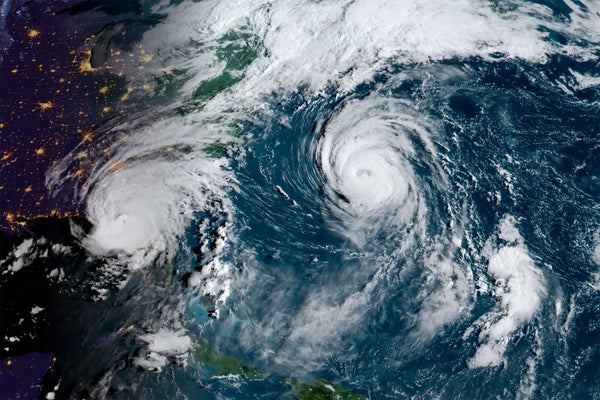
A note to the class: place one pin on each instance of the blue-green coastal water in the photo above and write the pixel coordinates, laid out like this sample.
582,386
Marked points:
340,199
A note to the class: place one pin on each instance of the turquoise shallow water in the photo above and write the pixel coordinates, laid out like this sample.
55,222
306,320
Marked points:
320,204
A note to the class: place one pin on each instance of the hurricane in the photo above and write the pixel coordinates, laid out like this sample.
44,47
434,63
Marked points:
318,200
366,164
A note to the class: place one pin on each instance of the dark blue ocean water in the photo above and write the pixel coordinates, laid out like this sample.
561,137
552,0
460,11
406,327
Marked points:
507,115
431,232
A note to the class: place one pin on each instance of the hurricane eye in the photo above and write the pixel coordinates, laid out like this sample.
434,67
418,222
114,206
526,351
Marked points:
363,172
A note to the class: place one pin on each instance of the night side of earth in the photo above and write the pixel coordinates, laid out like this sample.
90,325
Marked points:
299,199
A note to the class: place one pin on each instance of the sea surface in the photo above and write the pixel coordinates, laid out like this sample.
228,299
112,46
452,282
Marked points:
335,199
